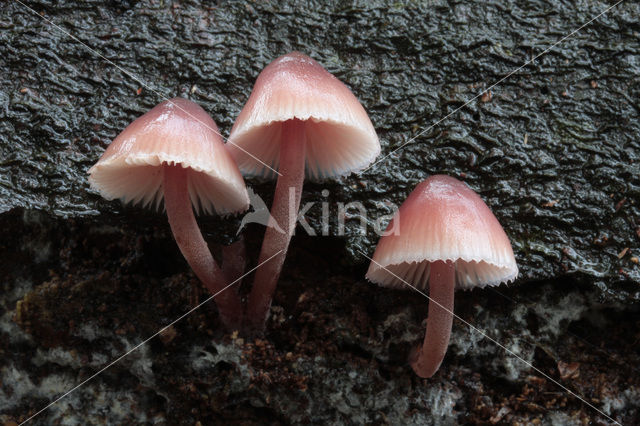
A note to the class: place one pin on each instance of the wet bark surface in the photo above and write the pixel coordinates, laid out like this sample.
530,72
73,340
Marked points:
554,150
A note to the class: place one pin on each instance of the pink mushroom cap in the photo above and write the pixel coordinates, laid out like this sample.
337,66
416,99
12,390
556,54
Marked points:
175,132
443,220
339,135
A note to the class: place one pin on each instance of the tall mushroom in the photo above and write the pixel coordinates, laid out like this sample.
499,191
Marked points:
301,120
174,152
445,237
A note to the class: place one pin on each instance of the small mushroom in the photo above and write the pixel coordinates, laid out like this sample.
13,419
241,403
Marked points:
174,152
301,120
444,238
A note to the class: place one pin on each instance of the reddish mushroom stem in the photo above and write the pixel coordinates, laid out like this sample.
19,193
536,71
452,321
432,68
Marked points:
233,262
193,246
286,202
426,360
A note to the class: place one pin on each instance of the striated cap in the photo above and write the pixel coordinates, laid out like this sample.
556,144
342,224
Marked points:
443,219
175,132
339,134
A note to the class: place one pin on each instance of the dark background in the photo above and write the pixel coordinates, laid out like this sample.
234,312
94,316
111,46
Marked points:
554,150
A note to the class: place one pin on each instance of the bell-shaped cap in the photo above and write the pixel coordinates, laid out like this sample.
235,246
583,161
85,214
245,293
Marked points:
443,219
339,135
175,132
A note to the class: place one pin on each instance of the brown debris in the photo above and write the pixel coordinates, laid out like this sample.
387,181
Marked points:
499,415
601,241
168,334
550,203
623,252
537,381
272,368
569,370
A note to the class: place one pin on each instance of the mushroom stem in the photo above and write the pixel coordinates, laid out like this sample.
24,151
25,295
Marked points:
193,246
284,211
233,261
426,360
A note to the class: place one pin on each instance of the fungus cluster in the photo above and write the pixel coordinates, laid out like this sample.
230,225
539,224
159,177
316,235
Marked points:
301,121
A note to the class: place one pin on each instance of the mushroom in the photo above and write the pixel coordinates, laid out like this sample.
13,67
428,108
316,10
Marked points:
175,152
445,238
301,120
